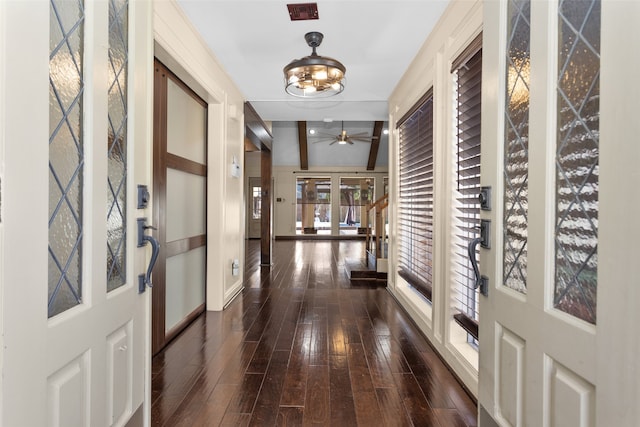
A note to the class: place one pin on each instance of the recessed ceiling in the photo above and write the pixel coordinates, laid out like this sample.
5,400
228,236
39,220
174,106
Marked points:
375,40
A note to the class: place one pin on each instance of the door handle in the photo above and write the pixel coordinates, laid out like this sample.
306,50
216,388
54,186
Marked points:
481,281
144,280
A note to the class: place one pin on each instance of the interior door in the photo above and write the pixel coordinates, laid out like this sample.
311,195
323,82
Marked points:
254,207
75,327
557,137
180,185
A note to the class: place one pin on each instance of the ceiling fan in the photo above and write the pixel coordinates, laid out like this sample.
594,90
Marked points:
344,138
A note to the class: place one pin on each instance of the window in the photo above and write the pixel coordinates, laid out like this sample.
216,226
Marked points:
467,75
415,202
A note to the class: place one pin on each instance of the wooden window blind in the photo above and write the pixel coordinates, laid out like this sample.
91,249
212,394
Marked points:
415,205
468,78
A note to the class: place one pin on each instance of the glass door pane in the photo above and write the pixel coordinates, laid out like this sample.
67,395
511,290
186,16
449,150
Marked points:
313,207
355,195
66,155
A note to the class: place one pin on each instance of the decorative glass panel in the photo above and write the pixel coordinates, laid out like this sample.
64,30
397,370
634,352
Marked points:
516,146
117,140
66,155
578,115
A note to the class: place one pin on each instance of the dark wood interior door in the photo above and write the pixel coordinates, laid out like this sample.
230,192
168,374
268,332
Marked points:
179,185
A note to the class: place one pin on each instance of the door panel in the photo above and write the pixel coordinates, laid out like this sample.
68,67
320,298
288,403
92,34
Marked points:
75,329
184,129
119,365
187,209
570,399
185,291
64,387
510,376
540,362
180,185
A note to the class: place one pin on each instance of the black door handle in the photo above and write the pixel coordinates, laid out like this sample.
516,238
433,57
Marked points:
481,281
144,280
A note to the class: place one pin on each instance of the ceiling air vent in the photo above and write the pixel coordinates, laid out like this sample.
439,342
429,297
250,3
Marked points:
303,11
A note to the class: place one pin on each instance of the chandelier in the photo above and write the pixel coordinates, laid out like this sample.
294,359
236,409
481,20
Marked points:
314,76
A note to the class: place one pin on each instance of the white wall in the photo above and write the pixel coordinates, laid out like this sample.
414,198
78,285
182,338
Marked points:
181,49
459,25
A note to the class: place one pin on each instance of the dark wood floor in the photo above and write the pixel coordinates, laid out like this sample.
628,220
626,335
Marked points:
301,346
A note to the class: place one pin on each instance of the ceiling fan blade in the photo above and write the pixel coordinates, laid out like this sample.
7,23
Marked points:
322,140
349,141
333,142
333,135
358,134
360,139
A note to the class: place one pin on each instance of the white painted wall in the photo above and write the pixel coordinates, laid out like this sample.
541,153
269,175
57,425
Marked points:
182,50
459,25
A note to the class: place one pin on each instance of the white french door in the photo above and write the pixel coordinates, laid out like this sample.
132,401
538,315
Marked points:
76,133
560,151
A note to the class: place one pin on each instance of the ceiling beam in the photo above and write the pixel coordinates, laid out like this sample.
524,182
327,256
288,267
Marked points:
302,142
255,129
375,143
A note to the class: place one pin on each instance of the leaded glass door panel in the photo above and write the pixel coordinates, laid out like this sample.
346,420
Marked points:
553,154
75,328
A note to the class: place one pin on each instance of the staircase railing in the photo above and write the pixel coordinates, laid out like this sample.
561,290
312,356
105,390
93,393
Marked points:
377,236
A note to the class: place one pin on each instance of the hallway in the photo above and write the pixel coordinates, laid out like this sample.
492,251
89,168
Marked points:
300,346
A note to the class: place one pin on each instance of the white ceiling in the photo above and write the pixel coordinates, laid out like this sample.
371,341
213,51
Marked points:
375,39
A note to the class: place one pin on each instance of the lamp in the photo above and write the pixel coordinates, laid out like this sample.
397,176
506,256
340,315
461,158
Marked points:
314,76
